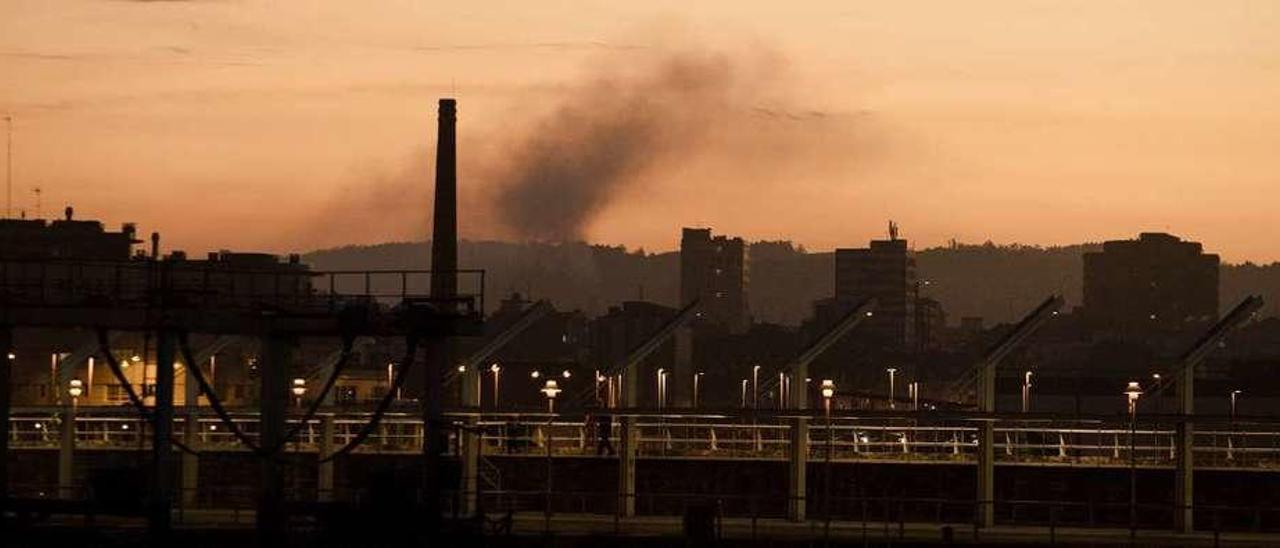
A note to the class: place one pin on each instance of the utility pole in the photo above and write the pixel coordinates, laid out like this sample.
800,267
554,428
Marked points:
8,188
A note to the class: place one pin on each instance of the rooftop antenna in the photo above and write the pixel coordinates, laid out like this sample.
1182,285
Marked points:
893,231
8,203
39,210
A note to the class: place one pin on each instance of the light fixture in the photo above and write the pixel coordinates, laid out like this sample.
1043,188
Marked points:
828,388
535,374
299,387
75,388
566,374
462,369
495,368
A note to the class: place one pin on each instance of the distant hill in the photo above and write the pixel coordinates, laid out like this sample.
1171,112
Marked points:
998,283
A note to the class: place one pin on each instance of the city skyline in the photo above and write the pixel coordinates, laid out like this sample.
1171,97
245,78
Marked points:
1037,123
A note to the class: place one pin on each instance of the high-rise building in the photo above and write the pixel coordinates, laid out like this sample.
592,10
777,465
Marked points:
1155,282
714,270
886,272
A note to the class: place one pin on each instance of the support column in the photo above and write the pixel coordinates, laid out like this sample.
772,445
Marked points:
799,462
986,495
628,439
272,405
797,487
434,437
1184,475
162,467
67,451
6,376
324,470
470,446
190,437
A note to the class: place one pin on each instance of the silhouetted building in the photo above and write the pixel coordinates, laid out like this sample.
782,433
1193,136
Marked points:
623,329
714,269
1156,282
886,272
37,240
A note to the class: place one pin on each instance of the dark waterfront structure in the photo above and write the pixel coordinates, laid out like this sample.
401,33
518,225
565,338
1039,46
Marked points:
1155,283
713,270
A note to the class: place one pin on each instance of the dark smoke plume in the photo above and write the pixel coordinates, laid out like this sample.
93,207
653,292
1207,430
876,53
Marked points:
607,134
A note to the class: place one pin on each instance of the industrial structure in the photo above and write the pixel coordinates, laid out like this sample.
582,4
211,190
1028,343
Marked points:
313,382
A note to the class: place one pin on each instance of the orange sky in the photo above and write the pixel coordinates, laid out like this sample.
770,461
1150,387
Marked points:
285,126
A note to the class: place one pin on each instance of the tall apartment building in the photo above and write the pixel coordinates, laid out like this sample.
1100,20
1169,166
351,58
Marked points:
714,270
886,272
1155,282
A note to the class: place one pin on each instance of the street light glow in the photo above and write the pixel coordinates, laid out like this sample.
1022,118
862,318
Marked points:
828,388
76,388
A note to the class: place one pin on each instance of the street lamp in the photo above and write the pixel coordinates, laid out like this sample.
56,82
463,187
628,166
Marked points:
657,376
75,388
744,393
1133,391
828,388
915,395
1026,391
551,389
535,374
299,388
496,370
755,387
566,374
782,390
892,371
1234,394
697,378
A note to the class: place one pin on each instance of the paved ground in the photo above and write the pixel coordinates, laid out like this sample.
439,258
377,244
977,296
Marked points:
234,528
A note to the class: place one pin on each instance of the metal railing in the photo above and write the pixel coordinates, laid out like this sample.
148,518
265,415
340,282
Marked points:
1238,445
145,283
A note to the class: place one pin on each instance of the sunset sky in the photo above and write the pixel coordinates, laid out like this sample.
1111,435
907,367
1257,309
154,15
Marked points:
286,126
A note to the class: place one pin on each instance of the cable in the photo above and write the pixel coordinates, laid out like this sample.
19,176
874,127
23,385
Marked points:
114,365
347,343
411,350
214,402
104,346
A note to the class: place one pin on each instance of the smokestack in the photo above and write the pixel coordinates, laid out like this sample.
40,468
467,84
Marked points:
444,236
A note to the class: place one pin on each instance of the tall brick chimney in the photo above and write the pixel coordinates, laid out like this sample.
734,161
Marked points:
444,236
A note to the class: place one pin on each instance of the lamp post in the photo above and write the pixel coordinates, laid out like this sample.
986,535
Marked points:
1026,391
657,382
1132,392
744,393
828,388
75,388
1234,395
892,371
755,387
550,389
497,371
299,389
697,378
